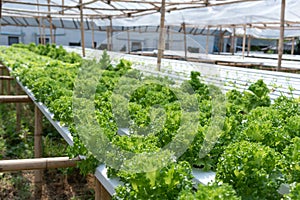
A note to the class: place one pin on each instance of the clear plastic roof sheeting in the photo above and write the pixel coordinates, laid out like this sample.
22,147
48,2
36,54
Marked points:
262,17
253,12
267,33
101,8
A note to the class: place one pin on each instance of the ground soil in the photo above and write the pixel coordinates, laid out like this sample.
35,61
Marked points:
57,185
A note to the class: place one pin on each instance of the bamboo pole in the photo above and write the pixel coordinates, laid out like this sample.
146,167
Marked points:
39,19
54,36
207,40
82,29
244,41
14,99
128,41
249,45
1,9
1,81
161,43
293,46
6,77
44,32
93,35
171,39
184,39
8,86
38,174
50,21
110,34
62,7
37,164
232,46
222,42
18,113
281,39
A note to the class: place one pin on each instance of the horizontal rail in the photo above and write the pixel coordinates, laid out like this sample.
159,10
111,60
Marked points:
37,163
6,78
14,99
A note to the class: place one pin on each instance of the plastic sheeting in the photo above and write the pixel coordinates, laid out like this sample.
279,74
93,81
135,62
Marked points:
267,33
102,9
264,11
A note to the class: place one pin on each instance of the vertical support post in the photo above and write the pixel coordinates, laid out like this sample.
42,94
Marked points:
44,32
18,112
38,120
39,19
219,45
50,21
281,39
207,39
1,81
1,9
82,29
93,35
170,39
293,46
107,38
232,41
244,41
63,7
249,45
184,39
97,189
161,43
54,36
110,34
128,41
8,87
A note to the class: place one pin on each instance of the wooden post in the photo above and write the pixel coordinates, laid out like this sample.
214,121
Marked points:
18,112
171,40
207,40
50,21
93,35
54,35
244,41
184,39
62,8
1,81
293,46
128,41
1,9
44,31
8,87
37,163
40,25
97,189
220,42
82,29
281,39
249,45
110,34
100,191
232,46
161,42
14,99
38,174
